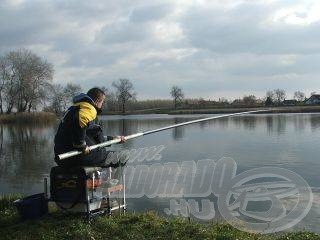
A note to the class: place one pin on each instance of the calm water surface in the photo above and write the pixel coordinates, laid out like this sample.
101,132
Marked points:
290,141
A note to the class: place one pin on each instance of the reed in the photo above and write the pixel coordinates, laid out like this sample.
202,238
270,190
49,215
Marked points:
28,118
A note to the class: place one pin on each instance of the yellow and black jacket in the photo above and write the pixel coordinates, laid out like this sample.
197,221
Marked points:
75,125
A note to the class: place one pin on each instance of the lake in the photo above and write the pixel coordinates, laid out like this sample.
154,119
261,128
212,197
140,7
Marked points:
287,141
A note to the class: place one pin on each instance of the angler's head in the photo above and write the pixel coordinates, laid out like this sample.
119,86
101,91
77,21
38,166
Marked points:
98,96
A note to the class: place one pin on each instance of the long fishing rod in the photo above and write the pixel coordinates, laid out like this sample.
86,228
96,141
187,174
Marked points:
108,143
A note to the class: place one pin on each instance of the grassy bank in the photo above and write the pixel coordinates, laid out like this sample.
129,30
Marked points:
28,118
130,226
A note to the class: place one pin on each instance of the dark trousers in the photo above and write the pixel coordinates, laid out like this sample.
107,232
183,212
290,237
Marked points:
95,158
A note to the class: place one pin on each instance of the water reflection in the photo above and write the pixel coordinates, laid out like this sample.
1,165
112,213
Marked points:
281,124
26,151
249,122
269,123
222,122
300,122
130,126
26,155
286,140
1,141
315,121
178,133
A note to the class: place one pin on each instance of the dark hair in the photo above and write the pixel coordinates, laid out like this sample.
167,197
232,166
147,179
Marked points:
95,93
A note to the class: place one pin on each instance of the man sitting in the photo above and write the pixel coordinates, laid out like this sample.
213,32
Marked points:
78,131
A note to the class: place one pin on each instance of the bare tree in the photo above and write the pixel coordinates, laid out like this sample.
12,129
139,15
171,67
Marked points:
299,96
58,103
177,95
271,95
41,74
61,97
280,95
8,82
249,100
71,90
111,101
269,101
3,79
26,78
34,76
223,101
124,92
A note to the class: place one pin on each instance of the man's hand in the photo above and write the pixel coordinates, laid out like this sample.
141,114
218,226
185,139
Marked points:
86,150
122,138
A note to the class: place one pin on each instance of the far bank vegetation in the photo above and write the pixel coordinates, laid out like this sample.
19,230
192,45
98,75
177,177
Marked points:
26,85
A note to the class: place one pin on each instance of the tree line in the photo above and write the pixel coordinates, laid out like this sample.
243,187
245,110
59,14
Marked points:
26,84
117,99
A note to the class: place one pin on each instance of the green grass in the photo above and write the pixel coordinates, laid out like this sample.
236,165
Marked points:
28,118
8,213
149,225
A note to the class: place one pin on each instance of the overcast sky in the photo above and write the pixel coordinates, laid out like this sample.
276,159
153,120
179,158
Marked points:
210,48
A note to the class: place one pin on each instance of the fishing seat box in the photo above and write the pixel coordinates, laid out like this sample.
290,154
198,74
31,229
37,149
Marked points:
77,189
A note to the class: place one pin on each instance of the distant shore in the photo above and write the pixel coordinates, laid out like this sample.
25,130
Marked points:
223,110
40,118
43,118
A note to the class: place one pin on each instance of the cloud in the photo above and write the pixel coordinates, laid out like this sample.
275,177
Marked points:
248,28
209,48
124,31
150,12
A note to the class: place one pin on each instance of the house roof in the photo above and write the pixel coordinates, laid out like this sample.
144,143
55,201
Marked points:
317,96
